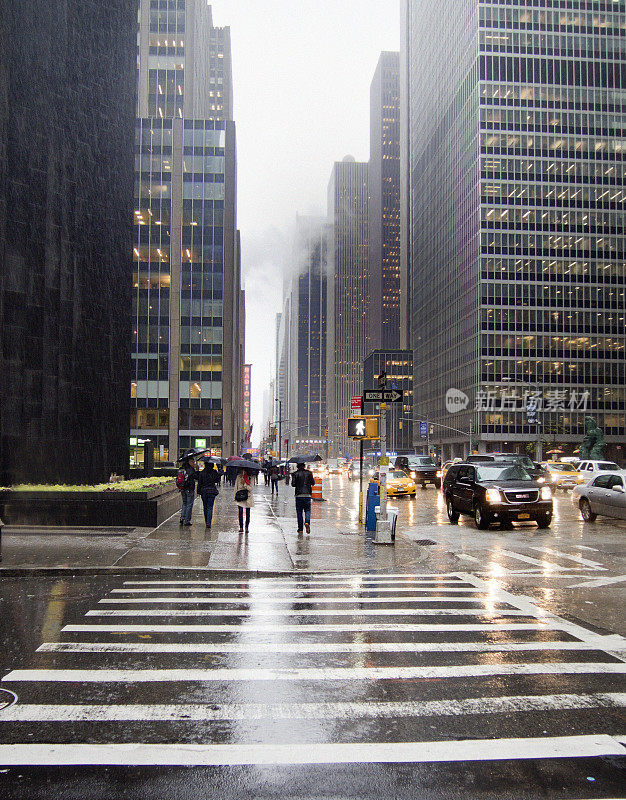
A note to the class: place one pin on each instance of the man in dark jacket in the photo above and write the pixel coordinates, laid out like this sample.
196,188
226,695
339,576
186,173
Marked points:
303,481
188,490
208,481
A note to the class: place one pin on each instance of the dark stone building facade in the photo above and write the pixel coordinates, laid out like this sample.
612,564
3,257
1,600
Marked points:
67,109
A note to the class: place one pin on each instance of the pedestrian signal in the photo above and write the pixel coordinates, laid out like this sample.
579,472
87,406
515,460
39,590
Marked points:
362,428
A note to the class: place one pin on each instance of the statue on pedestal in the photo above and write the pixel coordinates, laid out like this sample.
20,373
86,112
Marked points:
593,444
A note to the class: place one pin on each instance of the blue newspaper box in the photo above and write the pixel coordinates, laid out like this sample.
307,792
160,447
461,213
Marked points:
373,500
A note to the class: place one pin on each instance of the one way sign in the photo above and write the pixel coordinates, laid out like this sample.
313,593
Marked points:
384,396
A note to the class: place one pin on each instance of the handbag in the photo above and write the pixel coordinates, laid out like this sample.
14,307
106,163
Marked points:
241,495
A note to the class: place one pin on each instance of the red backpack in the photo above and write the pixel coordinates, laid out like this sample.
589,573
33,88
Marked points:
181,479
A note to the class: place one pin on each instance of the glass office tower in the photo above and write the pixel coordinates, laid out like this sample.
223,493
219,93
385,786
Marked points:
515,162
188,310
347,289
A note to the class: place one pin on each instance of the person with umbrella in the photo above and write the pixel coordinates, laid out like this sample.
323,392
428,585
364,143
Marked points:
244,497
186,484
303,481
208,481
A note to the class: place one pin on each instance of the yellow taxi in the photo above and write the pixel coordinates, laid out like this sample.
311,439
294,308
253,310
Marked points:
564,476
399,484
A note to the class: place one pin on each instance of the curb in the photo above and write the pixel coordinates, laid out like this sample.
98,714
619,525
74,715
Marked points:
9,572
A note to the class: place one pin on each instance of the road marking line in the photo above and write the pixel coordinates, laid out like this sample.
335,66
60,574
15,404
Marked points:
597,582
584,561
612,643
528,560
324,612
137,754
309,673
262,583
308,647
364,627
308,601
340,710
291,592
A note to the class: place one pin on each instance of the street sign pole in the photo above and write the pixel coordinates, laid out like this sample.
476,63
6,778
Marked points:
383,461
361,474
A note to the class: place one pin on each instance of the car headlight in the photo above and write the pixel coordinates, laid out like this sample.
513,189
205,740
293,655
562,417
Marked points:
439,473
493,496
541,480
414,474
546,493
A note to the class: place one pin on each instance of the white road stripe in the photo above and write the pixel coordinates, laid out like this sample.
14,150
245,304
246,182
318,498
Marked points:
309,673
323,612
262,583
579,559
364,627
293,593
519,557
308,647
246,601
202,712
612,643
598,582
138,754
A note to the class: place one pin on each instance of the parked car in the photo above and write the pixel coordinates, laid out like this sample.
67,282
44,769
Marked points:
605,494
496,492
421,468
399,484
591,468
563,476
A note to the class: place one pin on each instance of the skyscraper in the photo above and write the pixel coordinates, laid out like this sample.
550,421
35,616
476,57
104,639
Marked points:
516,152
347,290
67,105
307,334
187,339
384,312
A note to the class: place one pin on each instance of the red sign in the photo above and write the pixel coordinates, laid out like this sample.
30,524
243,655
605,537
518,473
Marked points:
355,406
247,386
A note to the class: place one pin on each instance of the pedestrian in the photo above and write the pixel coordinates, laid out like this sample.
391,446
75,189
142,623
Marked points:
244,498
266,471
303,481
186,483
208,481
274,479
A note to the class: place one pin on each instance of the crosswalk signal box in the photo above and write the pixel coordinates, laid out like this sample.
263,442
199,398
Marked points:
362,428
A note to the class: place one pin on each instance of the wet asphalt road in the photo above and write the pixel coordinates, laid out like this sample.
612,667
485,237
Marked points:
487,664
408,686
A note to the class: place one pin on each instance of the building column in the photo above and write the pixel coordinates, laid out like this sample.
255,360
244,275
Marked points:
175,286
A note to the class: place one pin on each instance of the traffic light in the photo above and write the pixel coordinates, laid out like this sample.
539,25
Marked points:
362,428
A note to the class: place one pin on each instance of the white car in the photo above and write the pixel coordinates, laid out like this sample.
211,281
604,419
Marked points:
591,468
605,494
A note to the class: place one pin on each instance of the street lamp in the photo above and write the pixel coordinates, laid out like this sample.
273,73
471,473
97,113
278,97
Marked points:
280,427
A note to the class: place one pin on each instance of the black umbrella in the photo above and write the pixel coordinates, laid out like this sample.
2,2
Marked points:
305,458
191,454
242,463
214,460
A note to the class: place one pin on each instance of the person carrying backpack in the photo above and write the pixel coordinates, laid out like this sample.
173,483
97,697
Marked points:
303,481
186,483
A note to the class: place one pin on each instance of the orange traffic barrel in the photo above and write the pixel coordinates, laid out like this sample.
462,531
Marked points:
317,489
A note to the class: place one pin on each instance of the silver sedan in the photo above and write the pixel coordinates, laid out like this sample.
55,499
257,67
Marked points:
605,494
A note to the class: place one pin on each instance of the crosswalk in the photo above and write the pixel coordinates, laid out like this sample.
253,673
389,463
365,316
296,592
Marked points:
330,669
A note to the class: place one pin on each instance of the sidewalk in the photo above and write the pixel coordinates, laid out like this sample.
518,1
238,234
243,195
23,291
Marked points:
336,542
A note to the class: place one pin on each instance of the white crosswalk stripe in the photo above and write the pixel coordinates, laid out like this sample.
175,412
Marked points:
348,664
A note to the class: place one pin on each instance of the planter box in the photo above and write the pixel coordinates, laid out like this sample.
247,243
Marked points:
90,509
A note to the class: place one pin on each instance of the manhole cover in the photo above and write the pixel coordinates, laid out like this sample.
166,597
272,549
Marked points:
424,541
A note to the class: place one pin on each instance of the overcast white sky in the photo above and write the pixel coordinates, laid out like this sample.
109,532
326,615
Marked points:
302,72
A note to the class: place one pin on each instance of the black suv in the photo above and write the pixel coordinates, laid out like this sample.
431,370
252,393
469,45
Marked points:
421,468
496,492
